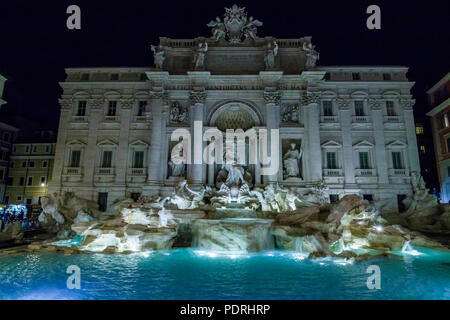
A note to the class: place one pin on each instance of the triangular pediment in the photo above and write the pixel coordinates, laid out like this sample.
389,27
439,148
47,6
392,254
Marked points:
75,142
396,144
331,144
139,143
363,144
106,142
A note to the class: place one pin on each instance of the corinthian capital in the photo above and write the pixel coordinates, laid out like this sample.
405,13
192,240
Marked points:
162,95
272,97
374,104
65,103
96,103
197,96
126,103
311,97
343,104
407,104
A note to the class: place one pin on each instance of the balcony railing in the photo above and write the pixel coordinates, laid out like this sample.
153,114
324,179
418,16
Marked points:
397,172
137,171
366,172
79,118
328,119
104,171
111,118
361,119
72,171
140,118
333,172
391,119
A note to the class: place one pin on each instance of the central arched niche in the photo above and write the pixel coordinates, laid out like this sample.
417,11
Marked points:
234,115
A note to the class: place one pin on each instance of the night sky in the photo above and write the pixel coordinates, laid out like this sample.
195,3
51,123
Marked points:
36,46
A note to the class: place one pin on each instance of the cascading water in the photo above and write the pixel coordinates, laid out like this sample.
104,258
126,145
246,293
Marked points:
408,249
299,244
233,235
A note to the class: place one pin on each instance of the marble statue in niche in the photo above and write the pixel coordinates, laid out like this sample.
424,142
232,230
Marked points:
290,113
178,113
292,162
176,169
159,55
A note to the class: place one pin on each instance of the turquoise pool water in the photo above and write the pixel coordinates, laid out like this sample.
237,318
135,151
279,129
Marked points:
192,274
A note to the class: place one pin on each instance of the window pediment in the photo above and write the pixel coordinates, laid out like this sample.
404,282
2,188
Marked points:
363,144
106,143
139,143
76,142
396,144
331,144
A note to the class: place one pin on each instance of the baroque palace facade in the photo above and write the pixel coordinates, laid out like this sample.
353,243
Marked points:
350,127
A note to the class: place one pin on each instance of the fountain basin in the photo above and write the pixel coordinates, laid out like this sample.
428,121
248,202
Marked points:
233,234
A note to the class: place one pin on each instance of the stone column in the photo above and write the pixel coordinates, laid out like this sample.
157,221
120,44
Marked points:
381,156
345,118
121,157
95,114
197,99
60,149
154,157
272,99
413,153
312,137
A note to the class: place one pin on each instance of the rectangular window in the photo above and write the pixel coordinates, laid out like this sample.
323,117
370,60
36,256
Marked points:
11,165
364,160
21,181
31,164
397,161
331,160
27,149
19,198
44,164
114,76
112,107
107,159
390,109
42,181
368,197
29,201
142,107
422,148
138,161
1,174
6,137
34,148
24,164
419,129
448,171
359,108
327,108
75,159
356,76
6,199
448,144
47,148
386,76
30,181
81,112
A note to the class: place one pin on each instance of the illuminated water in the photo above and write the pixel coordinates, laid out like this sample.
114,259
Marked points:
191,274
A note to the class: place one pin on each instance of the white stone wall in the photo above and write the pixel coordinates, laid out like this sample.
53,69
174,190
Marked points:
263,96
